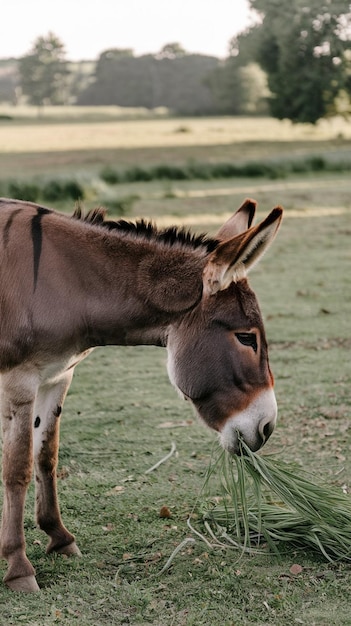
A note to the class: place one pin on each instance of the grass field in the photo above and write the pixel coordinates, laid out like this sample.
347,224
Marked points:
122,415
42,146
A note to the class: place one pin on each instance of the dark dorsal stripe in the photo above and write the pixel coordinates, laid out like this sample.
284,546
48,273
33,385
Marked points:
37,239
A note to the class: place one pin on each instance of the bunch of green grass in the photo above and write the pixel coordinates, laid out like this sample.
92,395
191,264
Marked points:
267,501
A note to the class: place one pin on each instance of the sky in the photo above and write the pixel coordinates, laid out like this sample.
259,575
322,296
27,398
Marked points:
88,27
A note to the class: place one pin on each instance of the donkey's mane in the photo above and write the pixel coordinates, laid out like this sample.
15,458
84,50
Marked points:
141,228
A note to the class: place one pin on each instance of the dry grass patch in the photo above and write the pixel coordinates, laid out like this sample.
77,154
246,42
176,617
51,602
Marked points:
46,136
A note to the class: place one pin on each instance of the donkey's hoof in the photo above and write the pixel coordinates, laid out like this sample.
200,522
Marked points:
70,550
26,584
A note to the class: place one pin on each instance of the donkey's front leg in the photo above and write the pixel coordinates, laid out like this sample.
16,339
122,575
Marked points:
17,401
48,408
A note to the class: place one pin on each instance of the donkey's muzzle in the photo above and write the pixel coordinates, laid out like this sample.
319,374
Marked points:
254,425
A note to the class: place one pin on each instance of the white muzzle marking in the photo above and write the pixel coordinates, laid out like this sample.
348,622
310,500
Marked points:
255,424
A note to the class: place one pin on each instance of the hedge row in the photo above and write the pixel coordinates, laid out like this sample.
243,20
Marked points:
51,191
209,171
70,189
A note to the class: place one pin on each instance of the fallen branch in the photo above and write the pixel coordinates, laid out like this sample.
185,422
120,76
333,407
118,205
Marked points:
174,553
168,456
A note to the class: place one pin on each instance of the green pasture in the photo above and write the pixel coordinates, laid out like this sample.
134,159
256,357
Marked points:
122,415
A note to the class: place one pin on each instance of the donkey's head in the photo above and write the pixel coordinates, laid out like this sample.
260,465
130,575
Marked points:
217,353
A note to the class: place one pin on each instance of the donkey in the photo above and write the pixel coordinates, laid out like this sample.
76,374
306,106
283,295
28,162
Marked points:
69,284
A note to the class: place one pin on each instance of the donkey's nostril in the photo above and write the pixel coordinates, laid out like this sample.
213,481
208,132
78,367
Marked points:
265,428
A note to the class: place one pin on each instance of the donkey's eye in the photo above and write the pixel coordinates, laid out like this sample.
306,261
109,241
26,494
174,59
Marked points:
247,339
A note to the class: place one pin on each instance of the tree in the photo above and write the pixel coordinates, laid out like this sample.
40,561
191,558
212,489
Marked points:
8,80
175,81
171,51
239,89
43,72
304,46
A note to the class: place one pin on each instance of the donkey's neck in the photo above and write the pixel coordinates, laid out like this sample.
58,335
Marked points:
69,285
135,288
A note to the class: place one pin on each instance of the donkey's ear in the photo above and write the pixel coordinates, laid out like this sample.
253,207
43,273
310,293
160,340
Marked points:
239,222
170,282
233,258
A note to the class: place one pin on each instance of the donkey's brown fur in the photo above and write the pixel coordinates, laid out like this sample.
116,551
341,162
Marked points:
68,285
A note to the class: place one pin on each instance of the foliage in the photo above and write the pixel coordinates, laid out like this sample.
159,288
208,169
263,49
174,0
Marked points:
171,51
171,79
50,191
296,62
43,72
239,89
209,171
8,81
62,189
55,190
110,175
185,83
254,90
305,50
22,190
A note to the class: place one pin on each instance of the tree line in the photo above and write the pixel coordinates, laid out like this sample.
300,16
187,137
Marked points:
184,83
295,63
